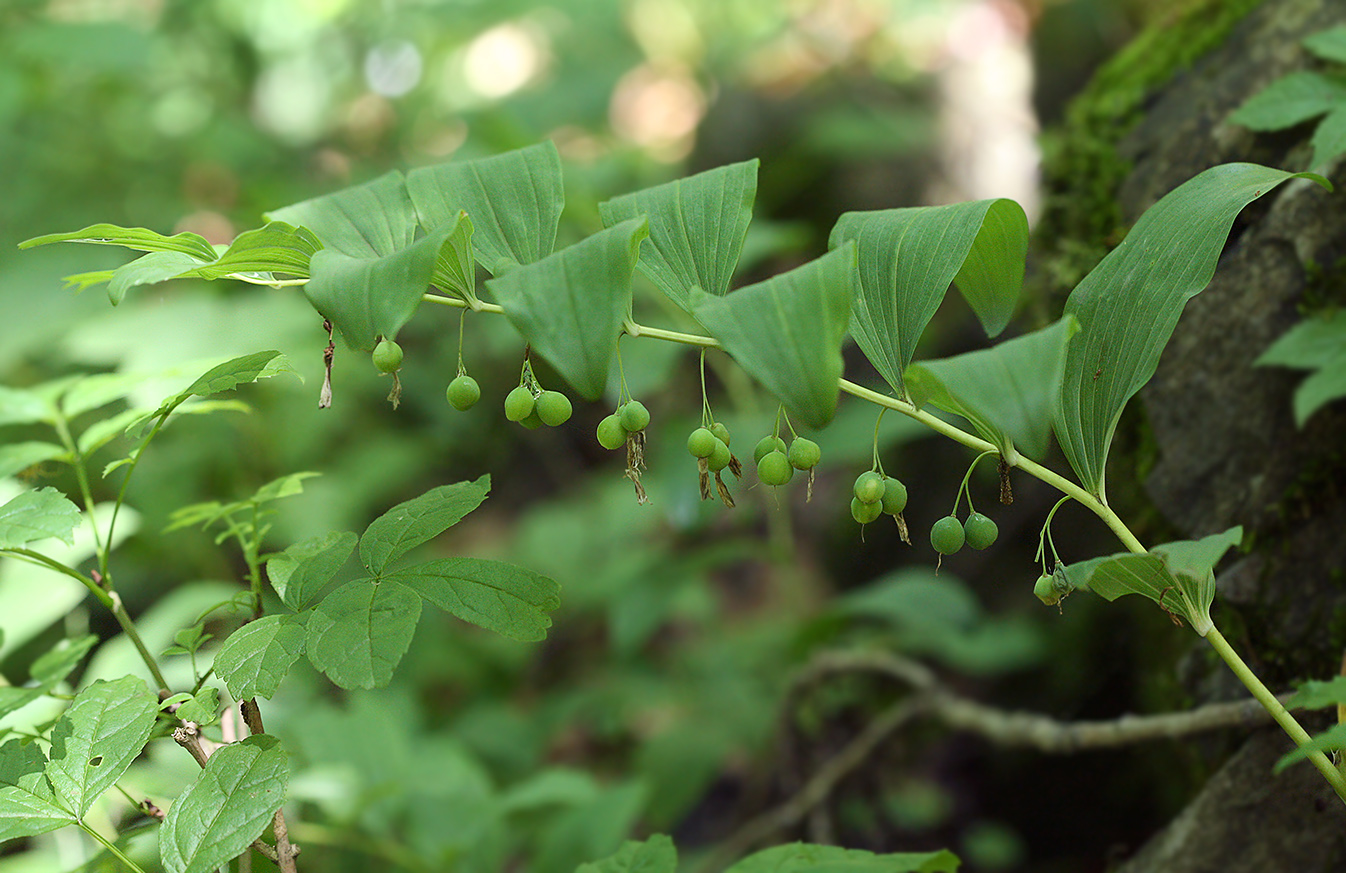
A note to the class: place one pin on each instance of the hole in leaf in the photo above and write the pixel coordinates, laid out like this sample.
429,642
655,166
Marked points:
95,760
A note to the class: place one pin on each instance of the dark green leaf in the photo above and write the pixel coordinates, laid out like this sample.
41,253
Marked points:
97,739
304,569
359,632
28,806
807,858
570,305
147,270
276,248
137,238
1318,695
58,663
15,457
1331,740
226,807
203,707
418,520
256,657
655,855
35,515
786,332
372,220
1330,44
1317,343
1290,100
509,600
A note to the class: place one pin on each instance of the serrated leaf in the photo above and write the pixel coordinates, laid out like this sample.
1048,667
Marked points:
786,332
148,270
278,247
1291,100
98,737
202,708
226,807
908,257
512,601
28,806
20,456
1330,44
1314,694
35,515
654,855
808,858
1007,391
137,238
24,406
1331,740
514,200
254,660
300,572
1129,304
418,520
570,305
697,227
372,220
359,632
59,661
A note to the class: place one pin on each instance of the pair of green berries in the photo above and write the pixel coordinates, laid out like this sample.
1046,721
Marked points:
874,494
948,535
712,445
531,410
776,465
631,417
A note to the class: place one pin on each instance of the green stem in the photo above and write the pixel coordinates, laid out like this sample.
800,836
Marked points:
81,476
129,628
110,847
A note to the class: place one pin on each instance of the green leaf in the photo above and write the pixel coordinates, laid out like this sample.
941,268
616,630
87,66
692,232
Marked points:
359,632
229,375
697,227
304,569
514,200
1319,695
418,520
1330,44
226,807
510,600
1291,100
278,247
286,486
1329,137
97,739
1007,392
1177,576
372,220
149,269
1129,304
786,332
907,259
24,406
105,430
13,699
807,858
58,662
570,305
202,707
35,515
1331,740
27,805
137,238
15,457
256,657
455,267
655,855
1317,343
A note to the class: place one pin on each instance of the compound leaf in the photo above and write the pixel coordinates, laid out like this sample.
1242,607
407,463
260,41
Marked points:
304,569
359,632
372,220
35,515
97,739
418,520
256,657
28,806
512,601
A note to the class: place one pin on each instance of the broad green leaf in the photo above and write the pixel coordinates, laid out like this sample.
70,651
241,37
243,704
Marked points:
372,220
907,259
655,855
1177,576
278,247
203,707
1317,695
97,739
286,486
15,457
300,572
359,632
1331,740
1129,304
418,520
256,657
58,662
808,858
24,406
1329,137
229,375
147,270
514,200
1007,391
512,601
1330,44
786,332
1290,100
570,305
697,227
138,238
28,806
369,297
35,515
455,267
227,806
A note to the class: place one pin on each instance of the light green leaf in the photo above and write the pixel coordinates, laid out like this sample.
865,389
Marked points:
455,267
59,661
1331,740
359,632
1007,391
256,657
203,707
304,569
1329,137
226,807
1317,343
286,486
94,391
1129,304
1330,44
137,238
570,305
149,269
807,858
278,247
28,806
97,739
907,259
655,855
1291,100
105,430
418,520
229,375
35,515
13,699
514,200
1318,695
15,457
697,227
786,332
512,601
372,220
24,406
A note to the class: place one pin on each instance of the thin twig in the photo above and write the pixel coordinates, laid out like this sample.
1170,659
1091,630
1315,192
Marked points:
285,850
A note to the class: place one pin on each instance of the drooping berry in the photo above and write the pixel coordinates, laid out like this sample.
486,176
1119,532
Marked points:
611,434
553,408
635,416
864,512
894,495
719,457
767,444
947,535
463,393
701,443
804,454
721,432
387,356
869,487
774,469
980,530
533,421
519,403
1045,590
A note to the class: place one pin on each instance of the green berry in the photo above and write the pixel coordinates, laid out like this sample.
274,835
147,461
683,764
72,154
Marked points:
869,487
701,443
894,496
634,416
947,535
611,434
719,457
774,469
721,433
463,393
553,408
1045,590
533,421
980,530
804,454
387,356
767,444
519,403
864,512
